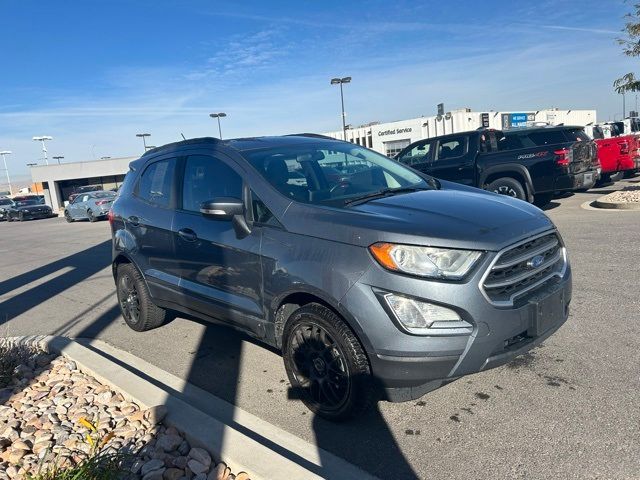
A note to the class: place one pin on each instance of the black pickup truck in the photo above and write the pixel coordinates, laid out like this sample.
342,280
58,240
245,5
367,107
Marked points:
527,163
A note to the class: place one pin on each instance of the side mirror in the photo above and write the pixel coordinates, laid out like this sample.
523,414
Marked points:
226,208
223,207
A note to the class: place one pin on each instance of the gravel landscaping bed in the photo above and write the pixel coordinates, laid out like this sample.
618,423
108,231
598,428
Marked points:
54,416
626,195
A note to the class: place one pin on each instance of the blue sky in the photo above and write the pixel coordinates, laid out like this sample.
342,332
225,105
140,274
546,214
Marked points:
93,73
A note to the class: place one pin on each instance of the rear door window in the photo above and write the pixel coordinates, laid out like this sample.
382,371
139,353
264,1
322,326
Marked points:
452,147
156,183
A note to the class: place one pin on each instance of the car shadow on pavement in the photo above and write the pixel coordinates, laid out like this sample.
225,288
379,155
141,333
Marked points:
367,442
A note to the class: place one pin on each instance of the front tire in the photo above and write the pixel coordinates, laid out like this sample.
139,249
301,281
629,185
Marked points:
507,186
326,363
136,306
21,216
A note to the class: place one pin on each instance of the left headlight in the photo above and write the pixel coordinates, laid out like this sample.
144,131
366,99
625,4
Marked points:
431,262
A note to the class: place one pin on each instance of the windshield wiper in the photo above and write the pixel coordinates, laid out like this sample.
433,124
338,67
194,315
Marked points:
385,192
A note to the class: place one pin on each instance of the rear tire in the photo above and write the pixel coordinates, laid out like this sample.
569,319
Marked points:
136,306
326,363
630,173
507,186
91,216
542,199
21,216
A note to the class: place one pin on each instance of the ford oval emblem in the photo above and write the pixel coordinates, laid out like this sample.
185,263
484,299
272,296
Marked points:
536,261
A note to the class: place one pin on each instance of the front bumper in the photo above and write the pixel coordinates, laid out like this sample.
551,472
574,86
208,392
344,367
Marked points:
37,215
407,366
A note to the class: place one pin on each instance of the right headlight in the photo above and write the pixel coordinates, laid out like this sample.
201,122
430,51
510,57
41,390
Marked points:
431,262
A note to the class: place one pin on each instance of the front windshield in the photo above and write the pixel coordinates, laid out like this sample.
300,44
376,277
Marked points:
331,173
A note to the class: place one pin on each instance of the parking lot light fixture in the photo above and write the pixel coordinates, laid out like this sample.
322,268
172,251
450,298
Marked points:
218,116
341,81
144,141
4,154
43,139
58,158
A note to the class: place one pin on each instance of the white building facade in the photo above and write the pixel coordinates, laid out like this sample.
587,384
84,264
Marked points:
390,138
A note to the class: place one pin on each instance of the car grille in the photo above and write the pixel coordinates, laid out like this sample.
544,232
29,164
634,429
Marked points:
512,273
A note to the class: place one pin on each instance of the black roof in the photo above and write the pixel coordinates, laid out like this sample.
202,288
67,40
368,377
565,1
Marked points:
242,144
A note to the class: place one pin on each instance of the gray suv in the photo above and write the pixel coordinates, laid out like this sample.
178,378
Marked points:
374,280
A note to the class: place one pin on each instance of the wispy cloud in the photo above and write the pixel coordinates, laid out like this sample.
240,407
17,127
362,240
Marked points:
582,29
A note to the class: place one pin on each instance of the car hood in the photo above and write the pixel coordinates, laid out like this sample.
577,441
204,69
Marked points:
453,216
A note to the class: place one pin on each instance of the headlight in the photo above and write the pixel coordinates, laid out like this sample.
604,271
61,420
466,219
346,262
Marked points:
425,261
420,317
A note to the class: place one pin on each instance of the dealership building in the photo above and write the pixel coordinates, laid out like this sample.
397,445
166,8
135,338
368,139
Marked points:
60,180
390,138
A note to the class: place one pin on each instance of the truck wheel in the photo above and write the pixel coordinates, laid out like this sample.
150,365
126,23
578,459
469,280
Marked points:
507,186
630,173
542,199
136,306
326,364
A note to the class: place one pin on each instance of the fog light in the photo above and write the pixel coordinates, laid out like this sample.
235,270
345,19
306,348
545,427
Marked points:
416,316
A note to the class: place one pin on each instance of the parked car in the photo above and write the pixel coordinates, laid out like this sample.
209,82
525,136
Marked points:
618,154
384,281
29,209
529,164
5,204
38,198
84,189
91,206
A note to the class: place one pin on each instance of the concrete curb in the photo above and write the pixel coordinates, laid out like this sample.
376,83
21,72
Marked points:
238,438
603,203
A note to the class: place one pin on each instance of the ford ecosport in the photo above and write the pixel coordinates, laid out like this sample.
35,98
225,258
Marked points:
373,279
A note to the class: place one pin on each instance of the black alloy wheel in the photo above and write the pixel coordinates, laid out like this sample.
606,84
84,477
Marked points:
326,364
129,299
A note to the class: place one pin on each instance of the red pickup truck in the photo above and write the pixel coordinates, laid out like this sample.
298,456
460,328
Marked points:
618,154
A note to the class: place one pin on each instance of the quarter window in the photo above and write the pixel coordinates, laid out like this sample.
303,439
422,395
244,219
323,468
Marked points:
549,137
156,183
206,178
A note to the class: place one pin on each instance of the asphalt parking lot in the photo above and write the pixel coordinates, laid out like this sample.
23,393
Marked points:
569,409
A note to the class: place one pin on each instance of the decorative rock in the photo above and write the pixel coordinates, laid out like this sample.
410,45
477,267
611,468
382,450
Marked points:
173,474
242,476
169,442
200,455
155,475
220,472
155,415
151,465
197,467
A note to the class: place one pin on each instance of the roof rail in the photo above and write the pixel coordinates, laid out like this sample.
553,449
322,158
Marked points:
310,135
190,141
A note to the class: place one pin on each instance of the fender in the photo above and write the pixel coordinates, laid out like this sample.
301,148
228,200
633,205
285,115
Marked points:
506,168
332,302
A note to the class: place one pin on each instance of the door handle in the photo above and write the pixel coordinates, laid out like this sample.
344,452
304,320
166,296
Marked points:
133,220
188,235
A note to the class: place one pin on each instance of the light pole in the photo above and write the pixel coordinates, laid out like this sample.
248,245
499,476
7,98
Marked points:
43,139
58,159
144,141
4,154
340,81
218,116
